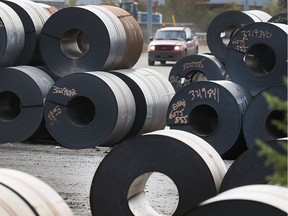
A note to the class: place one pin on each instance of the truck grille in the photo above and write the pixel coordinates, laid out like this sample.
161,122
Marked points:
164,48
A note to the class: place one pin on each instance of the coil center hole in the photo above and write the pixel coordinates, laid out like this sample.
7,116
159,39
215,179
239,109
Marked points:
81,111
75,44
275,115
227,33
143,199
260,59
203,120
10,106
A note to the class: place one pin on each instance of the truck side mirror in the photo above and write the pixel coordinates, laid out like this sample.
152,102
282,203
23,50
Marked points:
150,38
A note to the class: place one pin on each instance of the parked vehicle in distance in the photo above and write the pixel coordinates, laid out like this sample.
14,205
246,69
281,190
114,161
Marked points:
172,44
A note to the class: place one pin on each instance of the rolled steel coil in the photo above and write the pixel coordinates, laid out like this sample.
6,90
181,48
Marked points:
194,68
49,72
279,18
32,24
152,94
223,26
197,172
39,9
49,8
212,110
134,38
260,58
9,199
248,200
259,116
24,194
12,36
97,41
22,93
89,109
250,168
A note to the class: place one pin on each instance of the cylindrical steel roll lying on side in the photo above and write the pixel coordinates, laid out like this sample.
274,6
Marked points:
33,23
134,38
279,18
212,110
259,116
35,196
12,204
97,41
12,36
89,109
152,97
223,26
194,68
49,8
250,168
22,93
254,57
191,163
251,200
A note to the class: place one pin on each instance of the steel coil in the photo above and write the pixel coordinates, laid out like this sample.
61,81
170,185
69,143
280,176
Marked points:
223,26
152,97
12,36
279,18
259,124
260,58
248,200
22,93
97,41
9,199
196,173
212,110
194,68
32,24
250,168
134,38
35,196
89,109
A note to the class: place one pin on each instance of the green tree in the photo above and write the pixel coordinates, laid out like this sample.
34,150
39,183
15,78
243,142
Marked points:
273,158
71,3
110,2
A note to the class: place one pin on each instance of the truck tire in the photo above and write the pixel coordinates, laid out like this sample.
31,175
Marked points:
151,63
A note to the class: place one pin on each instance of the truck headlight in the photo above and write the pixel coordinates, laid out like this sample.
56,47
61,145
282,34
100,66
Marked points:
177,48
151,47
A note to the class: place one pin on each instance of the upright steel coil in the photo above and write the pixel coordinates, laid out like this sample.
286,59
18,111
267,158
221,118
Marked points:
97,41
12,36
194,68
89,109
33,23
246,200
23,90
212,110
223,26
191,163
259,117
152,97
24,194
255,58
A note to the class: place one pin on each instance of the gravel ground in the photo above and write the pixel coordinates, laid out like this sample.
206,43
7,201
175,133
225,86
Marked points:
70,173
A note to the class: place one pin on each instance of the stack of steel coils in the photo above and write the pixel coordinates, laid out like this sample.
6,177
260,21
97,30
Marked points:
226,88
77,85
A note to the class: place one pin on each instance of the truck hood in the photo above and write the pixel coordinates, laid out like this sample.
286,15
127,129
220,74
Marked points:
166,42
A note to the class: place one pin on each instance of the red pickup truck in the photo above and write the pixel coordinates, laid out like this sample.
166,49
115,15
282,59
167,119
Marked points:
172,44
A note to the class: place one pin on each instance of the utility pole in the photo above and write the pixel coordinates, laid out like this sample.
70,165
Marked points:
149,18
246,5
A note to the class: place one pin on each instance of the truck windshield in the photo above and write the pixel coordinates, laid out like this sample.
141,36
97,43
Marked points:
170,35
